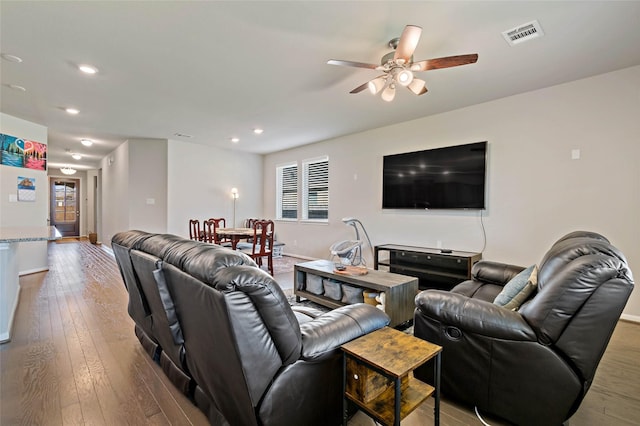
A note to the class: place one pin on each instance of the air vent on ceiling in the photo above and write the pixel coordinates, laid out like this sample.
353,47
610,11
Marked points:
522,33
182,135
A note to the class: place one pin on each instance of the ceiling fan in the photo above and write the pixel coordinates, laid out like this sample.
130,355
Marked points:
399,68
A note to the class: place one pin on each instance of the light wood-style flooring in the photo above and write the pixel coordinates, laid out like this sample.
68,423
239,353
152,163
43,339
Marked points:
74,360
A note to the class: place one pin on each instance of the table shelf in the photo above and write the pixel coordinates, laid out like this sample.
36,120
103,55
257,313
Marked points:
389,355
382,407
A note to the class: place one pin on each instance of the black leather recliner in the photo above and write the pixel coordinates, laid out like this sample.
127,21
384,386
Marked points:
227,336
532,366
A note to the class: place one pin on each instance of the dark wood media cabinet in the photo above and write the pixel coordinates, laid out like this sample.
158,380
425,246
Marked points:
432,267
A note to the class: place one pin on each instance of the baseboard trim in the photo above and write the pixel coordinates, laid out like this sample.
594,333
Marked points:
6,336
299,256
630,318
33,271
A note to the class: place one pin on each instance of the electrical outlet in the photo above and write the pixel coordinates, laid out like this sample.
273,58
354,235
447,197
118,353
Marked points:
438,244
575,154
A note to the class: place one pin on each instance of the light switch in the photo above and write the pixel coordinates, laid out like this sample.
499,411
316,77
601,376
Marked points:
575,154
151,201
13,198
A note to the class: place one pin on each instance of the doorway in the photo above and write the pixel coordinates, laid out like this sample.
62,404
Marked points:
64,209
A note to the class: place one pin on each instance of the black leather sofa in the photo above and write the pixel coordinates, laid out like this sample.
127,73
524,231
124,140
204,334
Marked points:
532,366
224,333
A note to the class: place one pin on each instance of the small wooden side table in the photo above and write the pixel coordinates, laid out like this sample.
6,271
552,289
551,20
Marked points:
377,375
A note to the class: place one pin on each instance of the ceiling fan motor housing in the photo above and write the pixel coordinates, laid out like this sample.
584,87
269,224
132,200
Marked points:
388,58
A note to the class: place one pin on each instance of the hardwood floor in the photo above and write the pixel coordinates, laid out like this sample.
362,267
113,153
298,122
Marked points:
74,359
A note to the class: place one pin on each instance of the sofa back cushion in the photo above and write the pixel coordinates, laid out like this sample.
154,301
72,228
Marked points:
163,325
212,358
138,307
238,327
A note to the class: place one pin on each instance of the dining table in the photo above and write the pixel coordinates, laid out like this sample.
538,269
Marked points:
235,235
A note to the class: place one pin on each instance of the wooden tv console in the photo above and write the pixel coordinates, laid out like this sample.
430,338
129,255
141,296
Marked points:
433,267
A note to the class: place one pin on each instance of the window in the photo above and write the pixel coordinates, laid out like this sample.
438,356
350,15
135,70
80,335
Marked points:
315,189
287,191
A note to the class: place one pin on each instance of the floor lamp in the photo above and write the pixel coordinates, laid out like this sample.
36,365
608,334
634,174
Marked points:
234,195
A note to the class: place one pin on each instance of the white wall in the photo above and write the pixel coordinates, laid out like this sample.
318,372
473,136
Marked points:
536,192
148,184
131,176
32,256
115,193
199,185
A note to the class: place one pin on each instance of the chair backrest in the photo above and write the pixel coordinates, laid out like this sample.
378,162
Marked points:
194,230
262,237
583,285
211,227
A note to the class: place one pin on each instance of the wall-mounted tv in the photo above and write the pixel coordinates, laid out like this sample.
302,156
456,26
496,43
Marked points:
452,177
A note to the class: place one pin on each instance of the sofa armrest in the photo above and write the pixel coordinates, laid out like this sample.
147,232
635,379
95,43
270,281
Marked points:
322,335
494,272
473,315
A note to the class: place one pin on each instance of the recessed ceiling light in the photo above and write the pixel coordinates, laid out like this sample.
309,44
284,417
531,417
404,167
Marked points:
72,111
235,140
76,156
16,87
88,69
258,131
86,142
12,58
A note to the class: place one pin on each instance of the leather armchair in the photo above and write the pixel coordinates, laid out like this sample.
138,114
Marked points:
228,337
532,366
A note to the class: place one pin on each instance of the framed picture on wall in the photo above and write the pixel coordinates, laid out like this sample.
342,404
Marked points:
26,189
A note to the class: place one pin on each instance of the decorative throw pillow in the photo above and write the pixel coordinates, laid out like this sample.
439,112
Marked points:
516,291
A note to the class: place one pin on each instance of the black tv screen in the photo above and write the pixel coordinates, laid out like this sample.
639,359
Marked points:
443,178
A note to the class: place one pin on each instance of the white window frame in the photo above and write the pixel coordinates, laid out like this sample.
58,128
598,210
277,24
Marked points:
306,189
280,190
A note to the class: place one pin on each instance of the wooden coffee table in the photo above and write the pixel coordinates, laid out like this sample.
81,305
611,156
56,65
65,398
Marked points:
400,290
378,375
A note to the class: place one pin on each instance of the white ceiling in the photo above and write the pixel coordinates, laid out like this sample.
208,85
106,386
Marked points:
215,70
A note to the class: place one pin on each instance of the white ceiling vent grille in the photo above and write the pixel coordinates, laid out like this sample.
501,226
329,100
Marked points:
522,33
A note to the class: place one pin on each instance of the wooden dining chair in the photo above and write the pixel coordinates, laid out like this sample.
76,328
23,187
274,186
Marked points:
211,227
262,245
194,230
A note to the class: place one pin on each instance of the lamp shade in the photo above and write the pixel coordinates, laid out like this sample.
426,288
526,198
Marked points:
404,77
389,93
68,170
376,85
417,86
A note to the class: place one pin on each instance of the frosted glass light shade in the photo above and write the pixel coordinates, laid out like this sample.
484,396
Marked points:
389,93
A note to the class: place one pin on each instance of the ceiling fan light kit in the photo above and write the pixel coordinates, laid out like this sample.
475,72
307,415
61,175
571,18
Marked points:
399,68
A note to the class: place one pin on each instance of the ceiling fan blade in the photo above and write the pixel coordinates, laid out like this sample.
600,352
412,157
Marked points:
360,88
408,42
450,61
352,64
418,87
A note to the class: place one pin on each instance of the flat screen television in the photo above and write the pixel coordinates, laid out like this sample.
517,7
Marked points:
452,177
